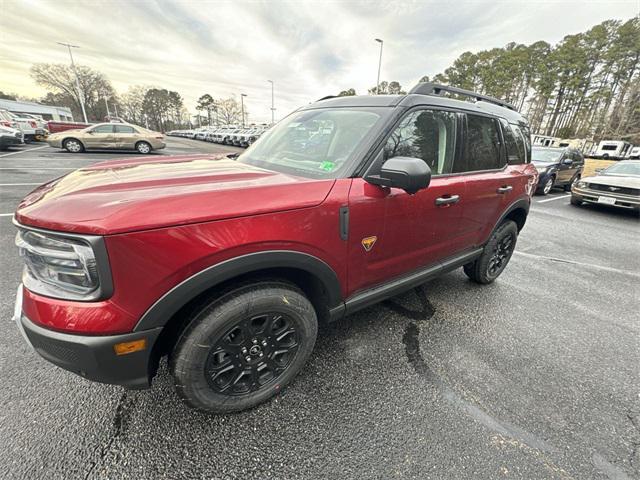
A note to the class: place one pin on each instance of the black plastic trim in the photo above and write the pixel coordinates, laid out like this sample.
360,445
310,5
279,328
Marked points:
105,288
399,285
161,311
522,203
93,357
344,223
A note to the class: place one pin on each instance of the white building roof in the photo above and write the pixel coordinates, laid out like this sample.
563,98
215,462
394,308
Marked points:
35,108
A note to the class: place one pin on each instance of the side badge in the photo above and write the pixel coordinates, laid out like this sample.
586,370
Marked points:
369,242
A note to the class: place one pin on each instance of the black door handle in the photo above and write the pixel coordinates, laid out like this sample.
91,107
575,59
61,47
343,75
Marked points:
505,189
447,200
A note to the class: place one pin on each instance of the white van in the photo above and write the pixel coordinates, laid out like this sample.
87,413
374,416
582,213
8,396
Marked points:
612,149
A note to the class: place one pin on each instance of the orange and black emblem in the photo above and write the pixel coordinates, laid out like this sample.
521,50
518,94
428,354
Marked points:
368,242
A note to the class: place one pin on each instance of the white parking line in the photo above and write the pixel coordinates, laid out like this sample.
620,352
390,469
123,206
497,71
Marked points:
15,184
23,151
6,214
554,198
581,264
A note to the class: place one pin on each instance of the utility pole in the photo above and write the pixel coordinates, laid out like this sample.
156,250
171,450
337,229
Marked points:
273,110
107,105
73,65
242,95
379,65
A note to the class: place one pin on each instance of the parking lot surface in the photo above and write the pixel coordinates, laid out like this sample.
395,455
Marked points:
534,376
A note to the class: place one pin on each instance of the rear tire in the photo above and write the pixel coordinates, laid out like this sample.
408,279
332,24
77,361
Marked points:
143,147
244,347
567,187
495,256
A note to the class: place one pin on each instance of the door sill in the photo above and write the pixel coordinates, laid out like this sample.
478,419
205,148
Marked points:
396,286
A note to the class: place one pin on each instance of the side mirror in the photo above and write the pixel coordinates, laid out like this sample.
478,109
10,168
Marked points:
567,161
90,132
408,173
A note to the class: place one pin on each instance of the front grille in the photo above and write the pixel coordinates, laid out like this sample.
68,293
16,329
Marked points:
613,190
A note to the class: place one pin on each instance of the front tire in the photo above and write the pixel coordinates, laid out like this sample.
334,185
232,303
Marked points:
72,145
495,256
567,187
244,347
546,187
575,201
143,147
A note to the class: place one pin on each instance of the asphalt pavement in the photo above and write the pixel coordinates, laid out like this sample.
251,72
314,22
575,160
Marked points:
536,376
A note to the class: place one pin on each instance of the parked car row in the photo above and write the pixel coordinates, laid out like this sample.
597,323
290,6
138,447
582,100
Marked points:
227,135
32,127
10,137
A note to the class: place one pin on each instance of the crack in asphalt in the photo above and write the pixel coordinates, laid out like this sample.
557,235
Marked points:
120,425
635,445
411,341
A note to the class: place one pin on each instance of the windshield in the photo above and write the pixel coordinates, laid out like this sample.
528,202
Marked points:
313,143
632,168
545,155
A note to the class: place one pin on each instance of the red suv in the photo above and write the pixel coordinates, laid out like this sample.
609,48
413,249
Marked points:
227,265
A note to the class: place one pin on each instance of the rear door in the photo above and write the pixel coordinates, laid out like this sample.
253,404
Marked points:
99,137
391,232
126,137
491,184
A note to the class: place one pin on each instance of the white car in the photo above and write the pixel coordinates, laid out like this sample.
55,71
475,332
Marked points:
28,126
10,137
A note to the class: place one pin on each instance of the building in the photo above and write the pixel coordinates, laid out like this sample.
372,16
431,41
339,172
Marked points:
47,112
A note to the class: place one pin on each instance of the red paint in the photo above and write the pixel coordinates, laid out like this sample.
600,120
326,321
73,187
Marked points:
55,127
167,219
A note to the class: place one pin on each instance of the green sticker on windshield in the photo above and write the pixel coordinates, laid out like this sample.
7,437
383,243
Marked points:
327,166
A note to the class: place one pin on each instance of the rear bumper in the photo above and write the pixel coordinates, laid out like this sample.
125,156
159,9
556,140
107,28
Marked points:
94,357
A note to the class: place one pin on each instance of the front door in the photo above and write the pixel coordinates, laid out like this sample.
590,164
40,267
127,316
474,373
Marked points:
100,137
392,233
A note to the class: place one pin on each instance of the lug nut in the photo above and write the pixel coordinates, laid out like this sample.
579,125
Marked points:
254,340
247,358
264,343
261,354
244,350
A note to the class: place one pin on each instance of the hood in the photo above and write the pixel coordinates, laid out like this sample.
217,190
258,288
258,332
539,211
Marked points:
128,195
544,164
614,181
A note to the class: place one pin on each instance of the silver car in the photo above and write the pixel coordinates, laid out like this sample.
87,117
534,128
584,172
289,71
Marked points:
616,186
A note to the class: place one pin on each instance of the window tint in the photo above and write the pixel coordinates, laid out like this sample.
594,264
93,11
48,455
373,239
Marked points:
103,129
426,134
523,137
124,129
482,145
515,150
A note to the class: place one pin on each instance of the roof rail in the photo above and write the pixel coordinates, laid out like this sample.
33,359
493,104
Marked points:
426,88
327,97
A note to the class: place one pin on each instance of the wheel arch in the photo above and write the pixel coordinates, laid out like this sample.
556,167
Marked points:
517,211
70,137
312,275
143,141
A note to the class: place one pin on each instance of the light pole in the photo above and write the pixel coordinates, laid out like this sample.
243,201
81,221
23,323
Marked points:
107,105
273,110
379,65
73,65
242,95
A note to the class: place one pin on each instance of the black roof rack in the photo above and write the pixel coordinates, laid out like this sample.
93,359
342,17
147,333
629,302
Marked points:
327,97
426,88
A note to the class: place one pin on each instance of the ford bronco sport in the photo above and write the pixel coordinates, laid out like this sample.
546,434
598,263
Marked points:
227,266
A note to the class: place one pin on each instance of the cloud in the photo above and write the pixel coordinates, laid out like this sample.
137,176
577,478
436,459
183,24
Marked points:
310,49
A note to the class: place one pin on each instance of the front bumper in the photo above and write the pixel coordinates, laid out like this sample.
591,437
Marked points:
93,357
592,196
8,140
54,142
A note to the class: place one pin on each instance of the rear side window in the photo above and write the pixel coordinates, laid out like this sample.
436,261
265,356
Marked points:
124,129
482,145
426,134
514,145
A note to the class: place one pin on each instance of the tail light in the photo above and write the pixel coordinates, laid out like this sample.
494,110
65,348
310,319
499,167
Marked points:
33,124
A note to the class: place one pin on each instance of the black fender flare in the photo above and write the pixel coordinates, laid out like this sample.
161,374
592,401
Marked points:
167,305
521,203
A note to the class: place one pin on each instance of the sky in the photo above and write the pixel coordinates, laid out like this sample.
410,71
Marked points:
310,49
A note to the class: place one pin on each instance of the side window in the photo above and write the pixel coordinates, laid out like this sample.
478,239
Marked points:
482,145
426,134
515,151
103,129
523,138
124,129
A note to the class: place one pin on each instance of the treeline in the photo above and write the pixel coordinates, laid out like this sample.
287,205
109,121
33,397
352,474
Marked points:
588,85
155,108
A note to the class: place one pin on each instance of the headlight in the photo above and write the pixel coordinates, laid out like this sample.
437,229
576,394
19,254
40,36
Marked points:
542,169
61,267
582,185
